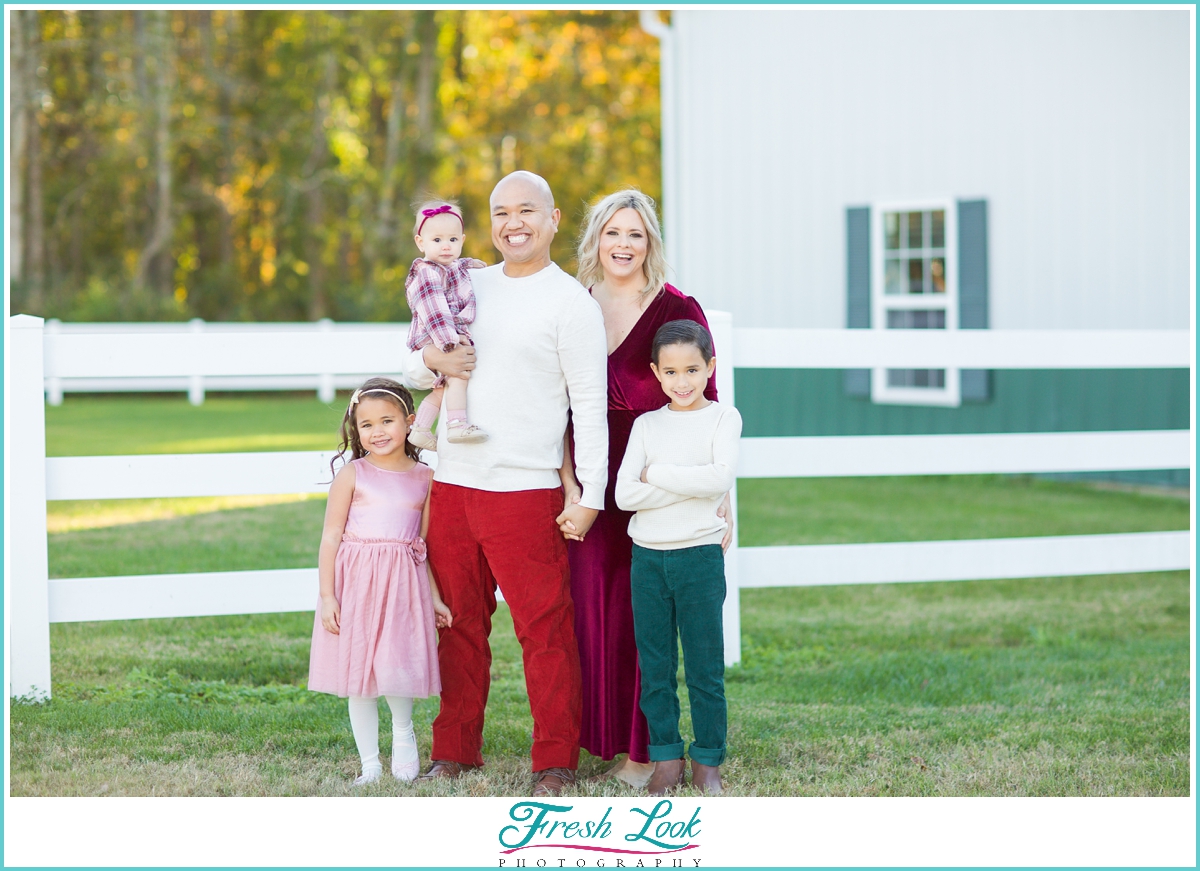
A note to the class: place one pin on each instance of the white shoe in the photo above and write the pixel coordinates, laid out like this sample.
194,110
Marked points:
423,439
369,775
464,433
406,772
406,760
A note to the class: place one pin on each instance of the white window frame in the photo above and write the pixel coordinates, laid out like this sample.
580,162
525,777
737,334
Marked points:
951,393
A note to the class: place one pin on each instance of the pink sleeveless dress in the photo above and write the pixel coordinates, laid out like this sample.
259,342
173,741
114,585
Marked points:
388,640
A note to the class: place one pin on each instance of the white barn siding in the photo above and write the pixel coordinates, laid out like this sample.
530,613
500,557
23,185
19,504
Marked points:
1074,125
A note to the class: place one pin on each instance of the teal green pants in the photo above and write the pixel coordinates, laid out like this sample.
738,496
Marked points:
679,594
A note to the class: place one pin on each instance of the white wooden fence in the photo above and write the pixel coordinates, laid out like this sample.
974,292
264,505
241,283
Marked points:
195,385
35,601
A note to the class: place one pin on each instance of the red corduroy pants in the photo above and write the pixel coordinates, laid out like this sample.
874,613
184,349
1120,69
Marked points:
479,540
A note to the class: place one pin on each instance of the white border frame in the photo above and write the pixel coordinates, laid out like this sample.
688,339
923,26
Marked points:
951,394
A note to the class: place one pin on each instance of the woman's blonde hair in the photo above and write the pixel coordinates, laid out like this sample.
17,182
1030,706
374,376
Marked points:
654,268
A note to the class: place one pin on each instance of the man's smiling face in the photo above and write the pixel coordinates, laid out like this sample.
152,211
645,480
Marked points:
524,222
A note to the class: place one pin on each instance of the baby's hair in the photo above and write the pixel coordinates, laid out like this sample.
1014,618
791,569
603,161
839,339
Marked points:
430,205
683,332
588,254
373,388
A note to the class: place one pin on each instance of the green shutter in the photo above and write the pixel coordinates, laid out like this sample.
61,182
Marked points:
857,382
973,289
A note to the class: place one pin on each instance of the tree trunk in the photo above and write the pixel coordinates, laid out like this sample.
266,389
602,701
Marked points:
151,271
385,234
315,196
19,131
139,56
36,252
426,92
224,124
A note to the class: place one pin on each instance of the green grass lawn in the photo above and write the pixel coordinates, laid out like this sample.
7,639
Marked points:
106,425
1072,686
777,511
1075,686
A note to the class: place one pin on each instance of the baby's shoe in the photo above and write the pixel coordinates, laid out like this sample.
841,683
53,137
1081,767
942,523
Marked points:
460,432
370,774
406,762
423,438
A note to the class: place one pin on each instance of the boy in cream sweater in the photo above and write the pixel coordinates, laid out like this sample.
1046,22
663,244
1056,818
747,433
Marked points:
680,463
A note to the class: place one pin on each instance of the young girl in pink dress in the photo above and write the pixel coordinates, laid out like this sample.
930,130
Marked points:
375,632
442,303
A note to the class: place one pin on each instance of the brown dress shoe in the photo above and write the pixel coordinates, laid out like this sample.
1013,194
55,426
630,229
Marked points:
667,776
706,777
444,769
550,782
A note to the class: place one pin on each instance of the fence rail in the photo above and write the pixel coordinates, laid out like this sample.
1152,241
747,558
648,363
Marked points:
755,348
969,560
174,475
967,454
63,375
40,363
134,597
79,365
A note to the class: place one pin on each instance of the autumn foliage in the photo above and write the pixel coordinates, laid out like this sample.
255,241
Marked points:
261,165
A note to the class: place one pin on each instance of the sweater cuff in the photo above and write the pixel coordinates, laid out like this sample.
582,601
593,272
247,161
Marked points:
593,497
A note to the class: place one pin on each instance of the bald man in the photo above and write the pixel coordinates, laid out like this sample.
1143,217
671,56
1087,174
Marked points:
496,506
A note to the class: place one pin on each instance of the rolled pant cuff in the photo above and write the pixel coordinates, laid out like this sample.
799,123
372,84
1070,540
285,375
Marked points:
705,755
663,752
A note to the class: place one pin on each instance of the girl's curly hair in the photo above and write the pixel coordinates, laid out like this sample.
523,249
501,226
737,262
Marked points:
378,388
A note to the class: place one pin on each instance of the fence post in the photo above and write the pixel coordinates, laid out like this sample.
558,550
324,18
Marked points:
721,325
29,585
325,388
196,382
54,386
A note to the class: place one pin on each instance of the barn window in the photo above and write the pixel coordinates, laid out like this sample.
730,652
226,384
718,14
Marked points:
915,289
918,265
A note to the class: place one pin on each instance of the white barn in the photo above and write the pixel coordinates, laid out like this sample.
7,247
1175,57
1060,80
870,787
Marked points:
945,169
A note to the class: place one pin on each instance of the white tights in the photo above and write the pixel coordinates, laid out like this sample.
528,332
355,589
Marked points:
364,723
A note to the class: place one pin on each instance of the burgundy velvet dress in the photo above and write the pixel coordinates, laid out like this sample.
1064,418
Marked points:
612,719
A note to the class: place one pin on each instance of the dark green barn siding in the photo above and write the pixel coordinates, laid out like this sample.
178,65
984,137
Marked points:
812,402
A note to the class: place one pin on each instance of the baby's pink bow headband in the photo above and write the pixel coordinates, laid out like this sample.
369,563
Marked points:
440,210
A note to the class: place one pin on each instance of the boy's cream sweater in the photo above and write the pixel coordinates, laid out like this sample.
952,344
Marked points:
690,459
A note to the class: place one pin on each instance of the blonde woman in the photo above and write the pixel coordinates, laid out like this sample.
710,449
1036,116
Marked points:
621,262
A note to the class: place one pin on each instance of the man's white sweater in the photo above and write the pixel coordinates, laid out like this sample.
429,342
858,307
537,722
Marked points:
690,458
540,349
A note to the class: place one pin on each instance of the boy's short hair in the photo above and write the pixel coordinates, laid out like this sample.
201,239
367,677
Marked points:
683,332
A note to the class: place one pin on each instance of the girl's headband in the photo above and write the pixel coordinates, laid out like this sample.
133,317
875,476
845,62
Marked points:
358,395
440,210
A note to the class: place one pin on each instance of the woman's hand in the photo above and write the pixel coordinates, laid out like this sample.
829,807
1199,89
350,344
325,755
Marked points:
725,512
575,521
572,492
442,616
331,614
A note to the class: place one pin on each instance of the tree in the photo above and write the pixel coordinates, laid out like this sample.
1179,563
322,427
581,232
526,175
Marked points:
259,164
153,262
